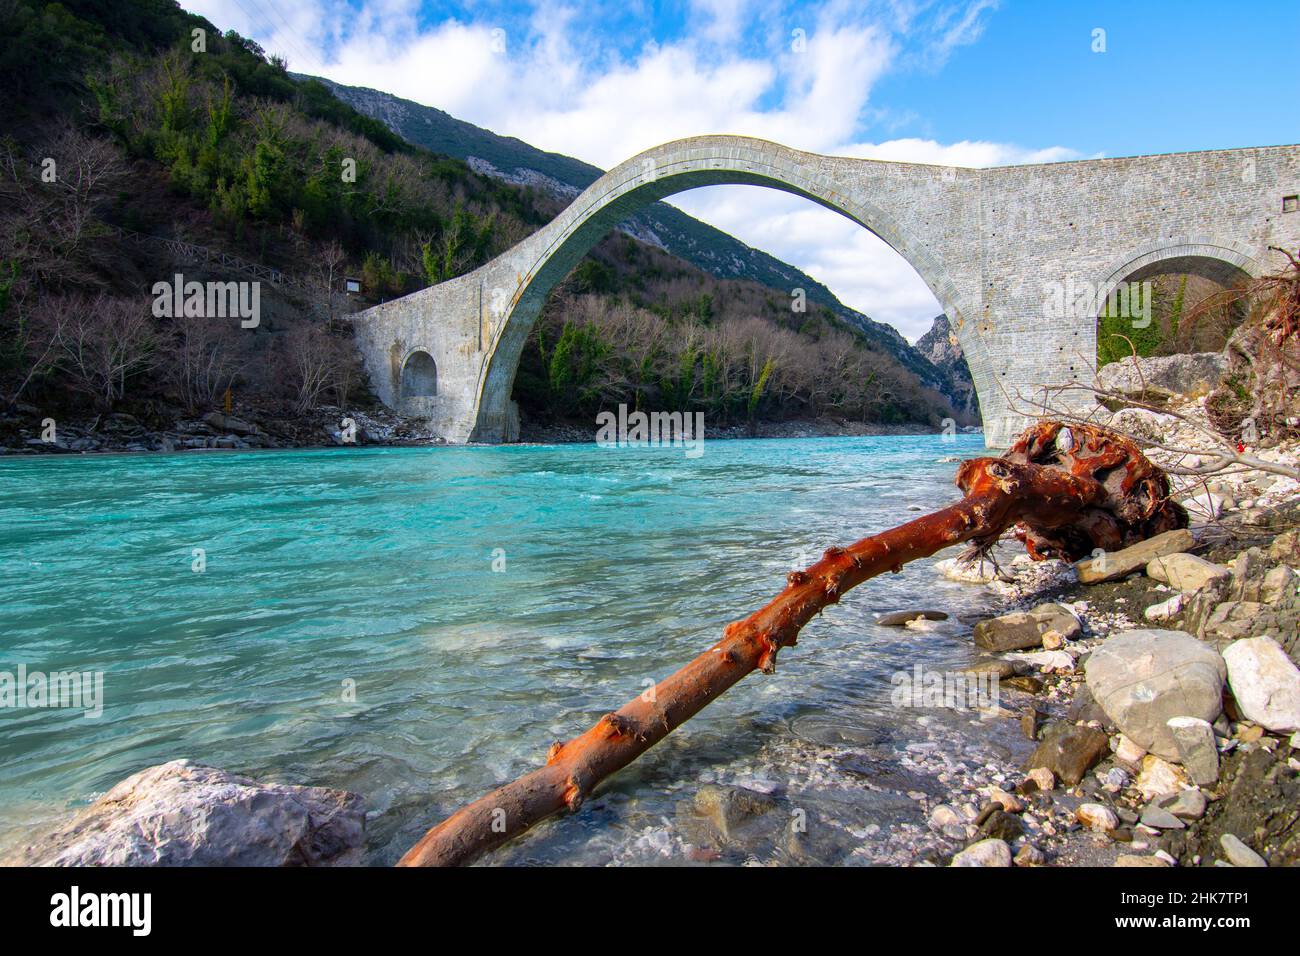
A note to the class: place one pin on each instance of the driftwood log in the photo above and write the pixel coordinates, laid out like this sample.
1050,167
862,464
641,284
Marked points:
1067,490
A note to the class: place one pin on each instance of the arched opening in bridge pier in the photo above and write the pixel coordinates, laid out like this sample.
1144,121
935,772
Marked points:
1167,302
632,324
419,376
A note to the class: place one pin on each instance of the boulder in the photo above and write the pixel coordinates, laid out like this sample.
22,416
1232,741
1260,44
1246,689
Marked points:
1004,669
1279,584
1265,683
1025,629
992,852
228,424
1232,620
185,814
1186,572
1142,678
1069,752
1110,566
1190,374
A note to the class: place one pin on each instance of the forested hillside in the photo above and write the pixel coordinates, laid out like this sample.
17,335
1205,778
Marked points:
138,141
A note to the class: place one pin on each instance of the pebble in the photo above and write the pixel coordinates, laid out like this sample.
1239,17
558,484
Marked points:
1185,804
1161,819
1129,859
1238,853
1030,855
991,852
1008,801
944,816
1114,780
1127,750
1042,778
1097,817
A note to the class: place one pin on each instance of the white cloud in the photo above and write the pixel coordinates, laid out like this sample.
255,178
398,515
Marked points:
551,81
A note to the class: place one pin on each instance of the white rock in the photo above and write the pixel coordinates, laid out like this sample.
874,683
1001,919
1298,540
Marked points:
185,814
1127,750
1203,505
1265,683
1159,777
1239,854
944,816
1186,572
1165,610
984,853
1058,661
967,572
1142,678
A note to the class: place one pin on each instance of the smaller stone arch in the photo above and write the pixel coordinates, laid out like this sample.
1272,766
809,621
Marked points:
419,376
1222,261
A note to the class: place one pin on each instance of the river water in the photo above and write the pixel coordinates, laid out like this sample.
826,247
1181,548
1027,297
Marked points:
420,624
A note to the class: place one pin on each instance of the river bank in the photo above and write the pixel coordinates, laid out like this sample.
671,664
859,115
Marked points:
1202,630
27,430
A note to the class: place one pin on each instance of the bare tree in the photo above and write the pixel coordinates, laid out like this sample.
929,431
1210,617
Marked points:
202,362
98,342
320,363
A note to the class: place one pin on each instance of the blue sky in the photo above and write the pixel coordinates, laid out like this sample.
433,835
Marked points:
955,82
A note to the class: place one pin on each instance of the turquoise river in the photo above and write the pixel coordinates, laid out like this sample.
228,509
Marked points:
420,624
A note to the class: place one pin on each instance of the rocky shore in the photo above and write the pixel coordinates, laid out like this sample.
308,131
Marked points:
25,429
1159,686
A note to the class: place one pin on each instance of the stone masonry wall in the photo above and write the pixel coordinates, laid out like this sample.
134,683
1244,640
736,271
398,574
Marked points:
992,244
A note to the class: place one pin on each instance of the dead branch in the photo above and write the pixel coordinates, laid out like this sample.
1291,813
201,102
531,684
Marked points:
1068,489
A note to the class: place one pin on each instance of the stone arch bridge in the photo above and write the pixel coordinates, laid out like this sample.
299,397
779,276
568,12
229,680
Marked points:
1000,248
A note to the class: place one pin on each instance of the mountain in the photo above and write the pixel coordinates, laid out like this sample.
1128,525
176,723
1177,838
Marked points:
514,161
217,164
939,345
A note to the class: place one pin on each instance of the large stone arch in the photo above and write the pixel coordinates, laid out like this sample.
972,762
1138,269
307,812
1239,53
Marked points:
656,174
